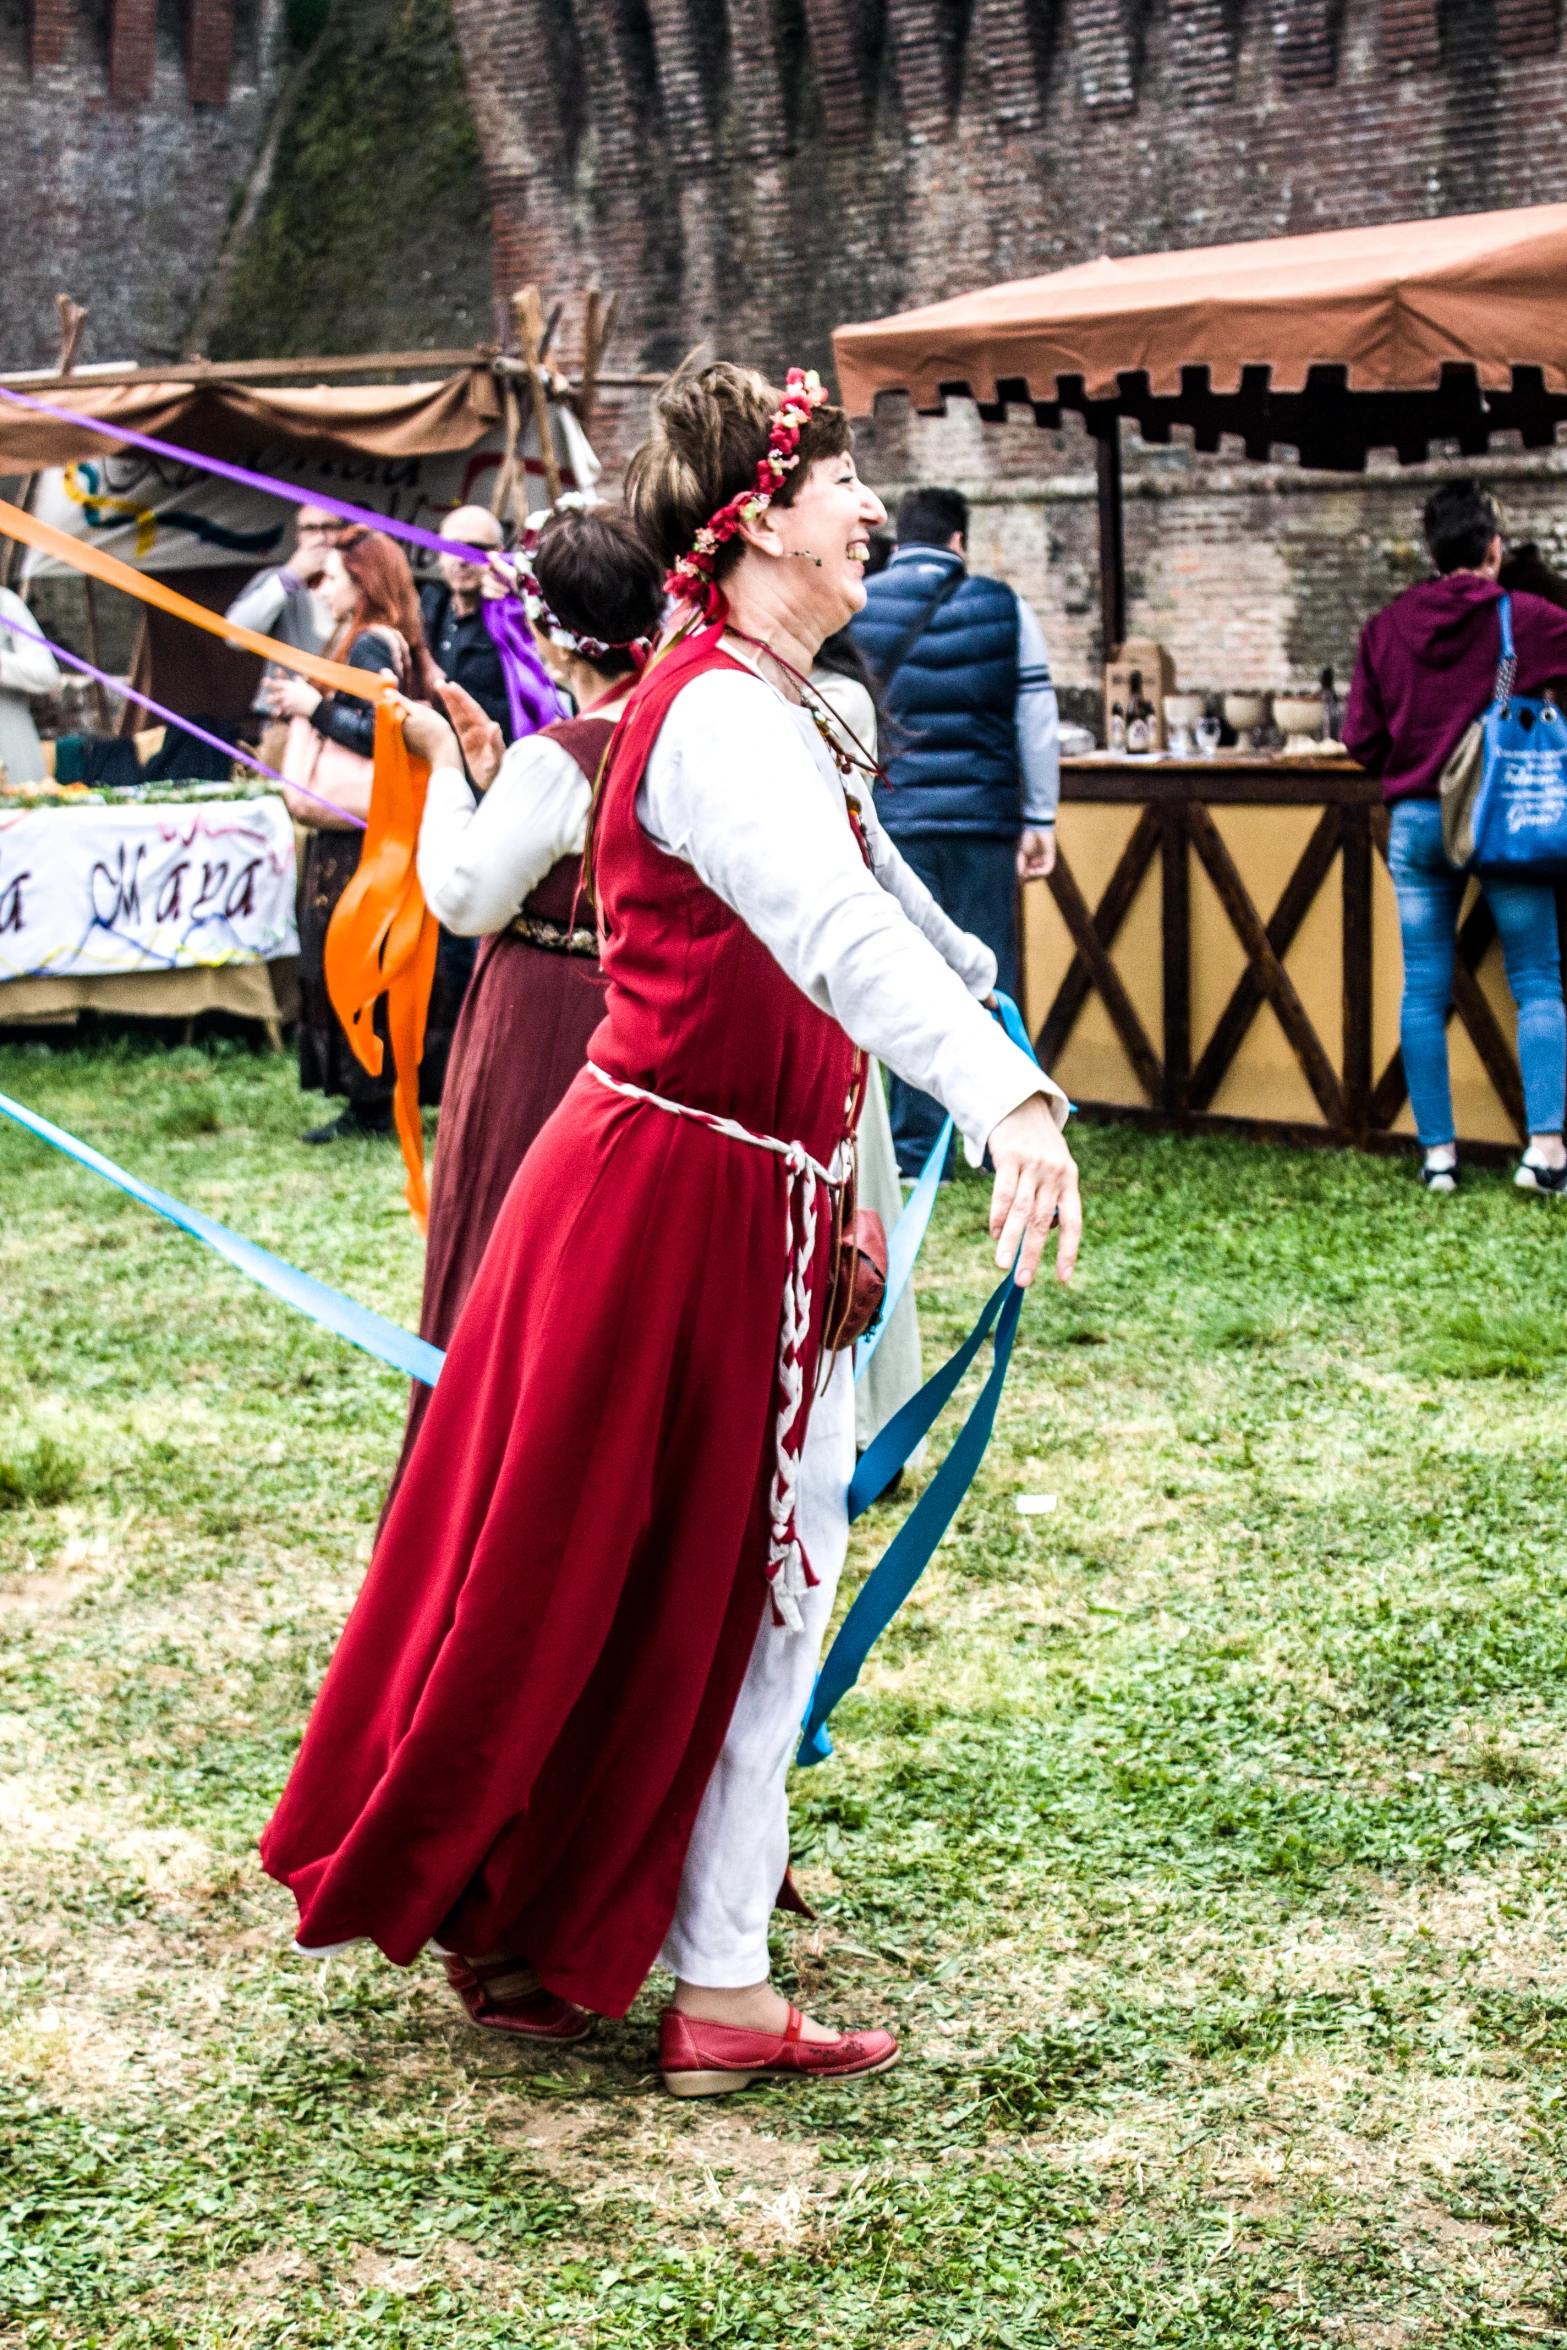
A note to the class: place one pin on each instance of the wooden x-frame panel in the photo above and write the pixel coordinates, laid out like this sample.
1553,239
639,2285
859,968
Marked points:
1166,1083
1175,822
1093,936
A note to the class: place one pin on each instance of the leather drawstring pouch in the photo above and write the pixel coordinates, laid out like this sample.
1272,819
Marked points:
857,1270
860,1276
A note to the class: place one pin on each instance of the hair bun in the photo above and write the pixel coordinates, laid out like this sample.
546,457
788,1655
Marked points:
710,433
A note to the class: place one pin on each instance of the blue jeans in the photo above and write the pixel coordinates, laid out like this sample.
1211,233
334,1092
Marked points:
975,881
1429,896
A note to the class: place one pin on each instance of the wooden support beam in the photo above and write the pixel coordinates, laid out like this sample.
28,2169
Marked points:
1355,905
529,312
1112,535
252,371
1108,916
1106,978
1277,985
1176,910
1250,994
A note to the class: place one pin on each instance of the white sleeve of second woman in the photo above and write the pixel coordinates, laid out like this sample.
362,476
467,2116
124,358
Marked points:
732,788
478,860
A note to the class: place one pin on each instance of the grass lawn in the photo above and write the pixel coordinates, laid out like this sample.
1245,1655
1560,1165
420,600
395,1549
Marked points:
1205,1836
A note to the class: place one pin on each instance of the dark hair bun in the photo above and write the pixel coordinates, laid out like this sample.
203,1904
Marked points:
600,581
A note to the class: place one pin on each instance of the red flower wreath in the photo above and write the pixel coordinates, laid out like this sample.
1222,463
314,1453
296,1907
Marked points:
691,579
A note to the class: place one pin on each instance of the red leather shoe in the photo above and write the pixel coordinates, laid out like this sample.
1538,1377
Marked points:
699,2059
505,1995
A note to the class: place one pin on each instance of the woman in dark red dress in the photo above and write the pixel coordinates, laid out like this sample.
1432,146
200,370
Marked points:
508,868
555,1735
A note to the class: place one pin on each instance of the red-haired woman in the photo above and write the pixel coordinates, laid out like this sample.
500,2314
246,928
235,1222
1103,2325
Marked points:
369,590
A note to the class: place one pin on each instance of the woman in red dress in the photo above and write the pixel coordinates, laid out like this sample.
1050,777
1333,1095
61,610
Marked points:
555,1735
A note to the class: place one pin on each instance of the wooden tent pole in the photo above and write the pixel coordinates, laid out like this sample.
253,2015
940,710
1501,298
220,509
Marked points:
529,313
1112,531
597,330
72,319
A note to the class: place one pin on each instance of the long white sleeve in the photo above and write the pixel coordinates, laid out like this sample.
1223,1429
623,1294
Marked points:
478,861
1037,716
740,787
960,950
258,604
26,667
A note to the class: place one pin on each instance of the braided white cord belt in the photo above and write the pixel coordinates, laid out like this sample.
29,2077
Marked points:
789,1572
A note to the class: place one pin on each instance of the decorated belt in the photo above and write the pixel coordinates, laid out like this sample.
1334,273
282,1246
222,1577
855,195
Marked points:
554,937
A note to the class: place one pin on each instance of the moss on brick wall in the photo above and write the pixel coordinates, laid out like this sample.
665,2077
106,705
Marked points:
375,230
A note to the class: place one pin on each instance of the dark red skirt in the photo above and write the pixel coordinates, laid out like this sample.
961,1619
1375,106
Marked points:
521,1037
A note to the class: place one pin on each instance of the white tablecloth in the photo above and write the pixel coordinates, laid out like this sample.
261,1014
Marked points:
89,891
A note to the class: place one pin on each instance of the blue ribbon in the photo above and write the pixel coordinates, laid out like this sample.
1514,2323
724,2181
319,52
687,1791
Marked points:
413,1356
909,1553
907,1237
1012,1022
908,1234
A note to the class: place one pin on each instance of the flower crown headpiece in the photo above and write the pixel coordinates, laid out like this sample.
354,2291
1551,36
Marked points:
691,579
543,620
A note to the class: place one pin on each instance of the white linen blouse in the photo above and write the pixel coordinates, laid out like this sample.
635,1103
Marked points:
478,860
742,787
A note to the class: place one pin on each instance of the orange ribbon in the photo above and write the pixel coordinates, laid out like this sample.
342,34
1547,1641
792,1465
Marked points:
382,939
333,677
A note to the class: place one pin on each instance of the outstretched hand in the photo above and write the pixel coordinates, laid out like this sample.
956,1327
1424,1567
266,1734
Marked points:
481,739
1036,1182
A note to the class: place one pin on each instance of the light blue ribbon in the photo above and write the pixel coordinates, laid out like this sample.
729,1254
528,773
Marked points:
406,1353
908,1234
907,1237
913,1546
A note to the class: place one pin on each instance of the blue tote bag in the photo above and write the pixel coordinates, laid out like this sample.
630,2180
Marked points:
1516,825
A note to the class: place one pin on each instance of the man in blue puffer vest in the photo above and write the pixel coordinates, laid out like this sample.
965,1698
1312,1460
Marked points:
969,739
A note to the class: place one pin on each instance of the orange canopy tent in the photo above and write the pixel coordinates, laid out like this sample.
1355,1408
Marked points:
1356,339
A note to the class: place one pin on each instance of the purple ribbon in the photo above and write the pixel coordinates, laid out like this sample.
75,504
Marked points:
530,691
410,531
215,742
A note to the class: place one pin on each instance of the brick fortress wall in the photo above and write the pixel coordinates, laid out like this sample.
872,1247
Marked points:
130,128
751,176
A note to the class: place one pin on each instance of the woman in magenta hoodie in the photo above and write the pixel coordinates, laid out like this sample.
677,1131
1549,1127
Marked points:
1424,672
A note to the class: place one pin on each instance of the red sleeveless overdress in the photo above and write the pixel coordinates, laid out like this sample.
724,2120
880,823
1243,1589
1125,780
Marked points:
530,1694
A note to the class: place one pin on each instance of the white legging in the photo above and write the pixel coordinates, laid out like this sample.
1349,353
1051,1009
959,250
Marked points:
740,1845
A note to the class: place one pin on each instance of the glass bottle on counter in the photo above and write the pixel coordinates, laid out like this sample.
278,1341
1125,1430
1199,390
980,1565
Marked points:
1117,727
1139,716
1330,707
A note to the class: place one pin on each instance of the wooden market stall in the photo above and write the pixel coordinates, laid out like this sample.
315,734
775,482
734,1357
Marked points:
1218,945
498,425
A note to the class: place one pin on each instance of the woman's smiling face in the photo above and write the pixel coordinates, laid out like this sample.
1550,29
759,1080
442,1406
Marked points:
824,532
